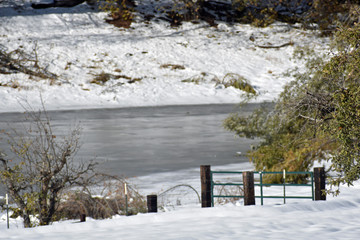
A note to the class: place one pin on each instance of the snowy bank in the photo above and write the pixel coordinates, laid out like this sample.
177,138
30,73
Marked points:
336,218
146,65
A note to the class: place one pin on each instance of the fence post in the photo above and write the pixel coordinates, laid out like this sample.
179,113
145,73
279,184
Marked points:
205,171
319,181
83,217
249,191
152,203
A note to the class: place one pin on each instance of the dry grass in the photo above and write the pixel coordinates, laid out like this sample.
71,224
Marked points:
229,80
103,200
173,66
237,81
104,77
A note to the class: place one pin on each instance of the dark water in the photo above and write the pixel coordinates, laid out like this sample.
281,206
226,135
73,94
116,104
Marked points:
144,140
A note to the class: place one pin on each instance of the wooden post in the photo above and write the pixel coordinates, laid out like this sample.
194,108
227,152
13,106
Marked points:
152,203
126,200
7,210
249,191
205,185
319,181
83,217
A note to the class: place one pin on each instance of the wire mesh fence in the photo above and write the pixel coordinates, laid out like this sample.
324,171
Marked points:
177,196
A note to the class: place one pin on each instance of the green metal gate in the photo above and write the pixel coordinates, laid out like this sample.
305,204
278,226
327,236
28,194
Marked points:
262,185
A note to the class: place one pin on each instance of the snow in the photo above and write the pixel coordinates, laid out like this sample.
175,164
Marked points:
335,218
76,44
283,222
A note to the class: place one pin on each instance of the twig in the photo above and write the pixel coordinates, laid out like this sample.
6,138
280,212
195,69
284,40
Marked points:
278,46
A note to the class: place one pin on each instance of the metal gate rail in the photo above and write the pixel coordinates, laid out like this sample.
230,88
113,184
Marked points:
261,185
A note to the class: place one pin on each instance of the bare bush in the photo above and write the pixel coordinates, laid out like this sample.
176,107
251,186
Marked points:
46,182
233,193
42,167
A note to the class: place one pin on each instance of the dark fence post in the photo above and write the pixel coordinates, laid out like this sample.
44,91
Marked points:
83,217
152,203
249,191
319,181
205,185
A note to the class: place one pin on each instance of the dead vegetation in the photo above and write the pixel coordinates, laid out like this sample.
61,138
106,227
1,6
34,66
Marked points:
172,66
229,80
104,199
103,77
235,191
291,43
19,61
237,81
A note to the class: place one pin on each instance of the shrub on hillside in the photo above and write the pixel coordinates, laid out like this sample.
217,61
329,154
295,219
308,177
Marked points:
120,11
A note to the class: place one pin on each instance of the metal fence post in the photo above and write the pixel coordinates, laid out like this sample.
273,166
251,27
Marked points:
261,188
205,172
249,191
284,185
319,179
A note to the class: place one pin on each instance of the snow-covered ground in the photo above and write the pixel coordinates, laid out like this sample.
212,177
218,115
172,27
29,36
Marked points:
76,44
335,218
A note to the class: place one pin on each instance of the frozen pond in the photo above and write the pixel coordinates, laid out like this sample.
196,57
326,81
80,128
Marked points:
147,140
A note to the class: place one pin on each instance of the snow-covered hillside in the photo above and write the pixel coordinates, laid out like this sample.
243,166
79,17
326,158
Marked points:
77,45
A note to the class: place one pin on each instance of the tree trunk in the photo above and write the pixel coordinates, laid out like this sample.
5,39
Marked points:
27,222
43,208
51,209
